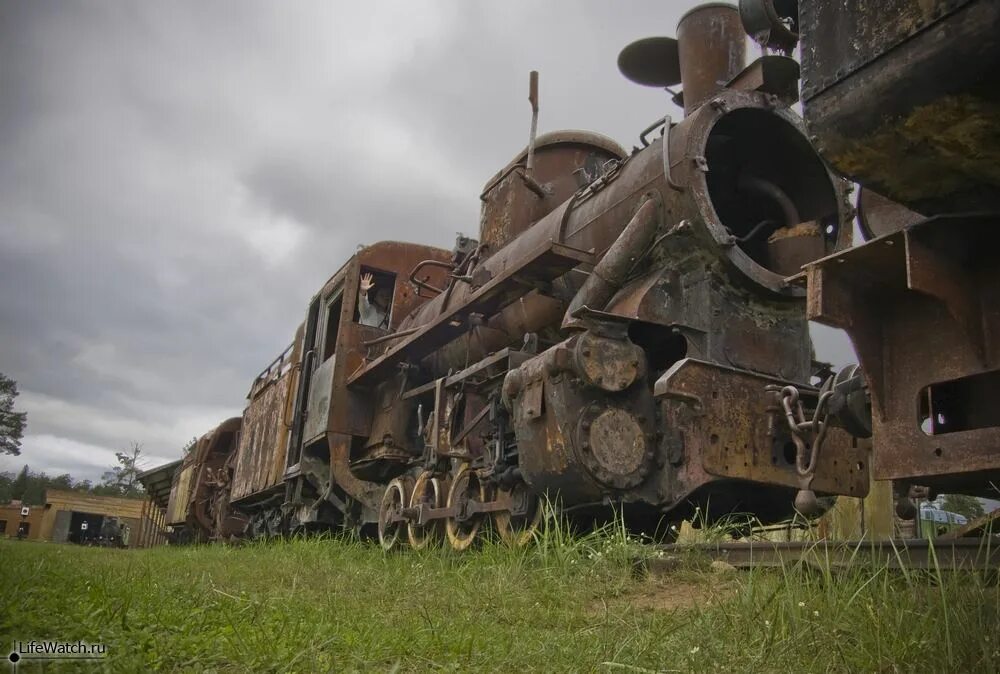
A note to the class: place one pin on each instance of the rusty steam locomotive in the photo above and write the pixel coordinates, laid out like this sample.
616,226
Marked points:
622,334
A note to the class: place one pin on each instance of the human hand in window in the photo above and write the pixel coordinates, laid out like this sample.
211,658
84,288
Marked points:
367,283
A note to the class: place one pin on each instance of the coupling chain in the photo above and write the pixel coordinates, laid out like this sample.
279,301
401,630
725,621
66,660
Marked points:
807,434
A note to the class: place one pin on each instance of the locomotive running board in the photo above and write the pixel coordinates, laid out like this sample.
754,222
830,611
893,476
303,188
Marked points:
513,359
548,262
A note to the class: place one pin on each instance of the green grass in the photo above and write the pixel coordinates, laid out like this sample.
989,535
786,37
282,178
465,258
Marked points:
566,604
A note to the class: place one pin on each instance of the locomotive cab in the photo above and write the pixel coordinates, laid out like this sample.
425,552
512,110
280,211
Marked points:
345,328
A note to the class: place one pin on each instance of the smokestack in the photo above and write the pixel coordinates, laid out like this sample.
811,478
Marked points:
712,49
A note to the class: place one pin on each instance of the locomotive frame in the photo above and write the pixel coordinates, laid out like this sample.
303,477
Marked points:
629,331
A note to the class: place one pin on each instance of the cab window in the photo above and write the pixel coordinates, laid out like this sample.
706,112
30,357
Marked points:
375,293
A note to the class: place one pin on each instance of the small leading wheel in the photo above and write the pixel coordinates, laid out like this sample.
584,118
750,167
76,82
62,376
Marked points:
395,498
465,489
430,492
518,524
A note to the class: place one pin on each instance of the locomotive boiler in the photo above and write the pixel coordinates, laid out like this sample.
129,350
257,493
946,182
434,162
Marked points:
622,335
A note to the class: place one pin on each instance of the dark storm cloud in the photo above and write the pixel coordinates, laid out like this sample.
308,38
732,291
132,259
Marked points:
176,179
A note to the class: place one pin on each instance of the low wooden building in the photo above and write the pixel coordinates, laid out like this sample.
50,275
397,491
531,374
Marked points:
157,483
78,517
18,520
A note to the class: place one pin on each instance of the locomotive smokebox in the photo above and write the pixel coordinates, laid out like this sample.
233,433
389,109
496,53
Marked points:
712,50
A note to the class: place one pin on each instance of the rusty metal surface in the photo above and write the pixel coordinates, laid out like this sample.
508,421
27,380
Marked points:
922,308
617,447
770,74
731,429
574,439
711,47
329,410
199,501
350,410
548,261
609,364
260,462
596,216
613,270
773,24
902,96
318,411
878,215
562,161
837,43
789,248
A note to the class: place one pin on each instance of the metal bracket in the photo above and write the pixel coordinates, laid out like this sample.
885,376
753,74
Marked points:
666,155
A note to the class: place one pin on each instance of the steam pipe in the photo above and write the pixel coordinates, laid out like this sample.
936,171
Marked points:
612,271
768,190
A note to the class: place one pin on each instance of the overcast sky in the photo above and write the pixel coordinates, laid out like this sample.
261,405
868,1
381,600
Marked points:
177,179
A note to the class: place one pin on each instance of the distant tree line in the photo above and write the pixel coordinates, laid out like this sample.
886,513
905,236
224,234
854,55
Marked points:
29,486
969,506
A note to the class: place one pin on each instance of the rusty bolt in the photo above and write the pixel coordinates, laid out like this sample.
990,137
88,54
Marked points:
586,353
562,358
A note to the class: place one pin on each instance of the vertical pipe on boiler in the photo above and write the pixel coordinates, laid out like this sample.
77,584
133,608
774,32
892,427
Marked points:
711,46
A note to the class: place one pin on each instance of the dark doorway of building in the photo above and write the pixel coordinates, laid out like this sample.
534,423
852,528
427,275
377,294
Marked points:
85,528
